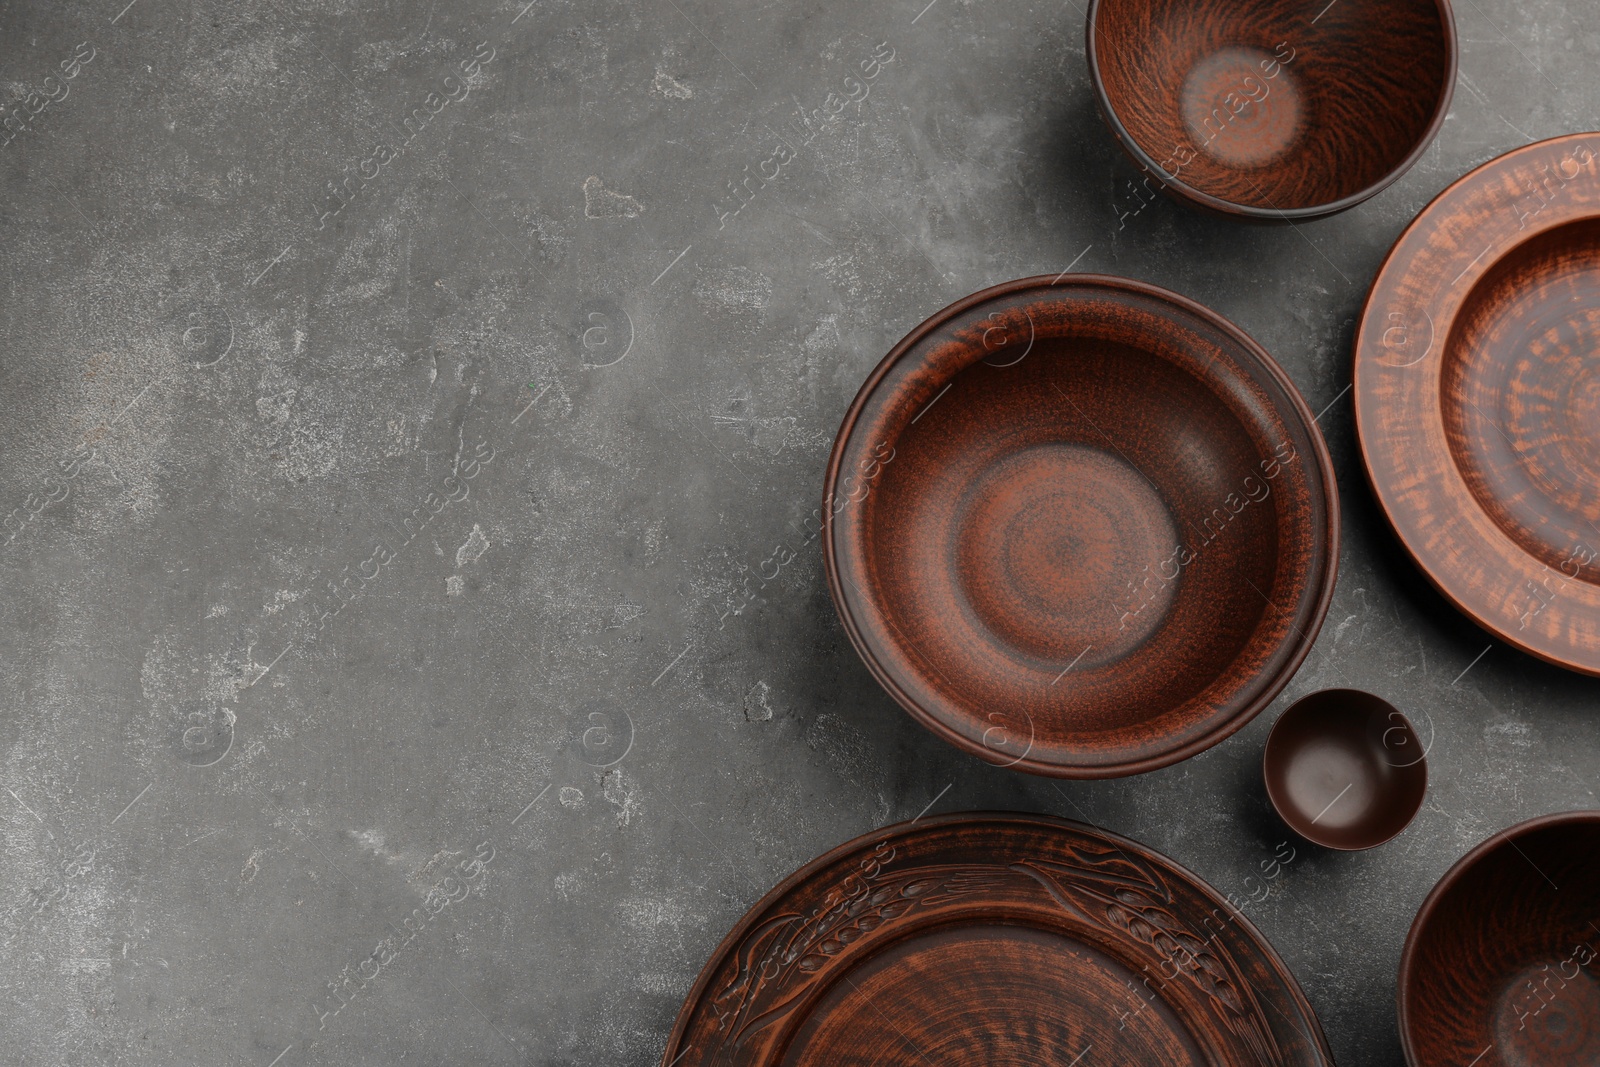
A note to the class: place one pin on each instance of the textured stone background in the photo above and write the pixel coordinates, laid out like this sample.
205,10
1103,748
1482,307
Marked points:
224,786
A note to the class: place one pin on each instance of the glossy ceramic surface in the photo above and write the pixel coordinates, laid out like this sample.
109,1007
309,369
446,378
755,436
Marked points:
1501,966
1085,529
1478,396
994,939
1272,109
1345,769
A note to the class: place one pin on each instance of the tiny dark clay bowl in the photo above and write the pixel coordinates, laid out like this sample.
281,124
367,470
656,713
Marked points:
1270,109
1080,526
1344,769
1502,964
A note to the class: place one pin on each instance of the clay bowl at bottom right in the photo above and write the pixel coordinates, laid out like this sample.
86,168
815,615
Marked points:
1500,968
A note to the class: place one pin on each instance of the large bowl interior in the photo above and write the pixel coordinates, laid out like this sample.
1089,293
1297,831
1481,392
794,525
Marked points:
1096,533
1258,104
1502,967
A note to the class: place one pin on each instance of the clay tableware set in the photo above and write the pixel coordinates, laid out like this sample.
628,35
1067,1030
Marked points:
1084,527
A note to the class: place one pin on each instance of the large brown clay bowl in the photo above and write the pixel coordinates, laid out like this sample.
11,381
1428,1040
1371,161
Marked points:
1477,396
1272,109
1502,965
1086,529
1345,769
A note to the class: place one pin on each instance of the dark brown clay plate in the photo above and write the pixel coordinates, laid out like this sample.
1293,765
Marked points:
994,939
1478,396
1086,529
1502,964
1272,109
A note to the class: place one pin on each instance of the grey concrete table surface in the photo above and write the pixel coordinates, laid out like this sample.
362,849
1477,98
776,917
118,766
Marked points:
405,423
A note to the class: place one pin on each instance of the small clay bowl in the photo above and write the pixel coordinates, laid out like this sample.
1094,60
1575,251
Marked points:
1502,964
1082,527
1345,769
1270,109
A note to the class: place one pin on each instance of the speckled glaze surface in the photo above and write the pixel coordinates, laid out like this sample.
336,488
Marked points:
1085,528
1345,769
997,939
1478,397
1273,109
1502,965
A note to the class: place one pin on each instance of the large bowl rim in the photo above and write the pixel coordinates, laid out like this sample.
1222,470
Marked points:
1430,904
1146,162
1326,573
1026,818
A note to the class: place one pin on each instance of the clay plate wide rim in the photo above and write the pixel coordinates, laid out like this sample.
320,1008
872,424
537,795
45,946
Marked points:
1430,903
671,1054
1326,574
1444,223
1217,205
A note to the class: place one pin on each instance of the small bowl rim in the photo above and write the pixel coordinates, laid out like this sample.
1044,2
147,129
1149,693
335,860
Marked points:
1327,575
1448,881
1279,805
1218,205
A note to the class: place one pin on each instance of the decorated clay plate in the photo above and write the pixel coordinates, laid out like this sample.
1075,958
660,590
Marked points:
995,939
1081,526
1478,396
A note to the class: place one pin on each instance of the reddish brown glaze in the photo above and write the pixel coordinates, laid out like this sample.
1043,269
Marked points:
1478,396
994,939
1272,109
1086,529
1502,965
1345,769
